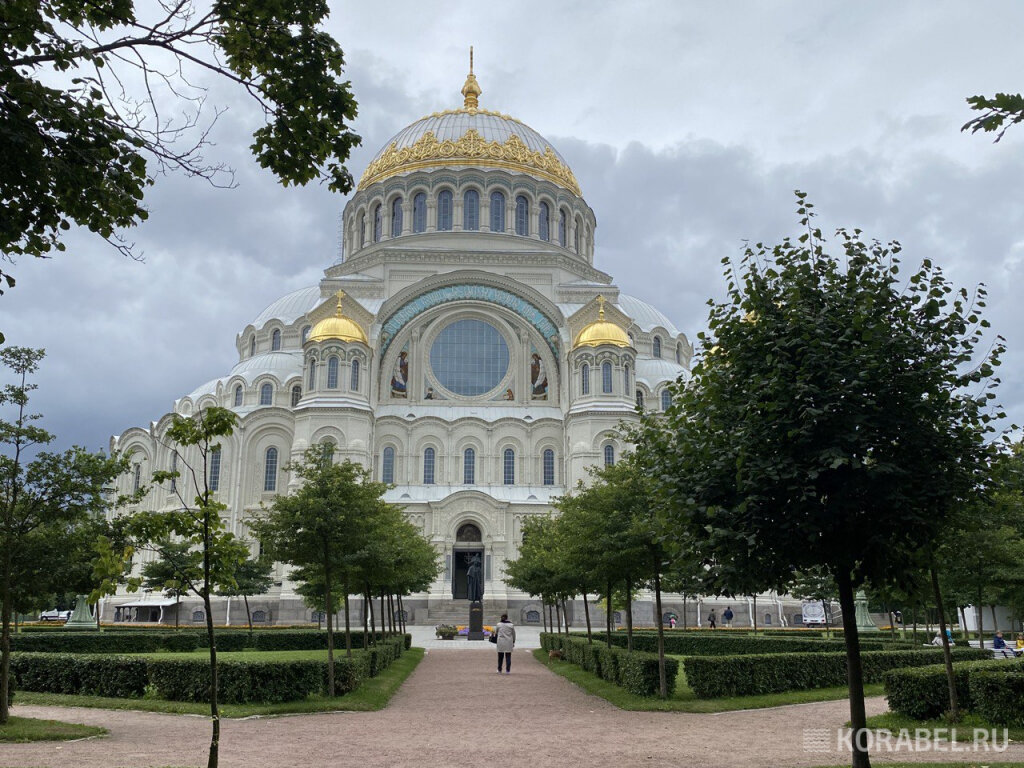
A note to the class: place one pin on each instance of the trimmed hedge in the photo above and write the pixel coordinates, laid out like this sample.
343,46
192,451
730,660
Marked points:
715,677
153,641
993,689
188,679
722,644
637,672
998,694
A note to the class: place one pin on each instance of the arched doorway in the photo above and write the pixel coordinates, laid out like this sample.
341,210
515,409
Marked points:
467,550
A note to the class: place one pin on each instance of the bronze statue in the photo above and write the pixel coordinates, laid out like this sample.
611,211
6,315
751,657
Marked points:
474,579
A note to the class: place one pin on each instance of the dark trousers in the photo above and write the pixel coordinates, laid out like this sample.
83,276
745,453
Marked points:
508,661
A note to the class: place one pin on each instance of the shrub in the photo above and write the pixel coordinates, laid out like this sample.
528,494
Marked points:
637,672
88,674
923,692
713,677
725,644
264,682
105,642
997,694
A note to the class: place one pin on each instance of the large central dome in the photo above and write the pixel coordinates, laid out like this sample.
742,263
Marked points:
470,136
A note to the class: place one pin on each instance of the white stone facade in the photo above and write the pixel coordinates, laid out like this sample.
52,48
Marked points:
462,325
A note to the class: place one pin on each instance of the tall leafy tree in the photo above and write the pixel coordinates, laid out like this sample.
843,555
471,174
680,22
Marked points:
197,523
175,572
323,529
837,417
44,500
98,97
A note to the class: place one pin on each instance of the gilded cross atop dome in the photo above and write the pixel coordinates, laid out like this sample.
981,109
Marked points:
338,326
471,90
339,295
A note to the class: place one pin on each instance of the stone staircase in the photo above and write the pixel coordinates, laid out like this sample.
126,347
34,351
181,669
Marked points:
457,612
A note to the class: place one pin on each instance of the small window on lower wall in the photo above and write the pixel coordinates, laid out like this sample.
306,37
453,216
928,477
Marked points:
258,617
198,616
533,617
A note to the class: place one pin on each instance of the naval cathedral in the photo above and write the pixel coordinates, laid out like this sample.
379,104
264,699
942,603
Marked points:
465,347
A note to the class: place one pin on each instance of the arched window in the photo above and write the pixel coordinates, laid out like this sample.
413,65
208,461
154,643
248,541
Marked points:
544,221
275,340
396,217
428,466
657,346
640,399
469,466
497,212
444,211
267,394
387,465
561,227
238,395
666,399
305,333
354,378
606,378
585,379
252,346
258,617
679,354
296,395
215,469
137,479
362,231
378,223
549,467
471,210
270,470
419,212
576,236
522,216
174,468
311,384
332,373
625,378
509,466
609,455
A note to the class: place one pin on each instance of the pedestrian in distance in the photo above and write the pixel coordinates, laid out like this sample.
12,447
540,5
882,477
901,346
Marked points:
712,619
506,633
727,616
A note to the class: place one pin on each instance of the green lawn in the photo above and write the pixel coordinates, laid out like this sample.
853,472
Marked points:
372,695
684,700
20,729
891,721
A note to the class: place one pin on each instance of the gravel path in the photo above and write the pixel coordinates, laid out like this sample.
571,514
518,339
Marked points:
455,710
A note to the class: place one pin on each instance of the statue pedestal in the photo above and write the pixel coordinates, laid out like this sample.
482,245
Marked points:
82,617
864,621
476,620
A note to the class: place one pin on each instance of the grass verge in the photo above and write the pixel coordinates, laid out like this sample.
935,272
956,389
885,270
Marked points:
22,729
684,700
892,721
372,695
976,764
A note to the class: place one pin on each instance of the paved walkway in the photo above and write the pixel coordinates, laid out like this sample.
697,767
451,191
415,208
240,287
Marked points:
455,710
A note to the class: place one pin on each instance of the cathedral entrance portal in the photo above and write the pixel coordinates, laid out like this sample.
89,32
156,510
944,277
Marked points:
467,562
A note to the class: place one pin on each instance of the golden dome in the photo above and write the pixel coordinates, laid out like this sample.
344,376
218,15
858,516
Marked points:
602,332
470,136
337,327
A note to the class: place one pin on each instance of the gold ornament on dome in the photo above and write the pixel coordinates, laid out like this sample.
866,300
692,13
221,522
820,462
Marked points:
337,326
602,332
470,149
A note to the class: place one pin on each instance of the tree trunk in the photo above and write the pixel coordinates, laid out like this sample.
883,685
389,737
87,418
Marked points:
544,614
348,622
329,610
391,615
963,626
373,625
565,615
383,616
629,616
828,620
177,609
608,615
754,609
913,616
99,628
401,616
586,612
212,638
366,628
995,620
854,672
981,621
662,682
248,613
684,612
5,639
954,705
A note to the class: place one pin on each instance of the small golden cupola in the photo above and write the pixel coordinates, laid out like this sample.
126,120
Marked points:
602,332
471,90
338,327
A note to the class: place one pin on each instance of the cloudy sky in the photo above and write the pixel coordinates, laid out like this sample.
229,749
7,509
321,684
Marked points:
687,124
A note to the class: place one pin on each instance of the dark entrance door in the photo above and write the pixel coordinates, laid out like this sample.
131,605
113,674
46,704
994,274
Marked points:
460,568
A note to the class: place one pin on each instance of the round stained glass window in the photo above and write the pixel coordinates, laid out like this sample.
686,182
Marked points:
469,357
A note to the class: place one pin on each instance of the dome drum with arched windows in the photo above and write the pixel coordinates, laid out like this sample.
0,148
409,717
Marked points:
472,357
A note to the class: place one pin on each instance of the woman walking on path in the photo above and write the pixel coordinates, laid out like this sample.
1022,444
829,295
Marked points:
506,642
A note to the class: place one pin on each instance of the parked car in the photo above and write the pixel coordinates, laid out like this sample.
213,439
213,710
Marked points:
54,615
